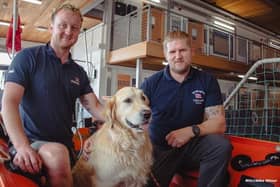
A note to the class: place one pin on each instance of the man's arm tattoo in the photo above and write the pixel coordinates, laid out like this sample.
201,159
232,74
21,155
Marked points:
214,111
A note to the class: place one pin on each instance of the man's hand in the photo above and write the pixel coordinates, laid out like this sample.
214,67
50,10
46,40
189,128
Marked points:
180,137
28,159
87,149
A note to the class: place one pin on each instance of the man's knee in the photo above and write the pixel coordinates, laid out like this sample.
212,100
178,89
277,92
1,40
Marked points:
55,155
220,143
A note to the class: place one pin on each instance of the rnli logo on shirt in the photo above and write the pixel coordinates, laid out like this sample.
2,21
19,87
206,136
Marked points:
198,96
76,81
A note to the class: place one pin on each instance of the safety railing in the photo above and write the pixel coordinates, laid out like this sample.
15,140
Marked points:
151,24
253,107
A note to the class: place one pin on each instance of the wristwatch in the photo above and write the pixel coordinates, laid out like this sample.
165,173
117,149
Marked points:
196,130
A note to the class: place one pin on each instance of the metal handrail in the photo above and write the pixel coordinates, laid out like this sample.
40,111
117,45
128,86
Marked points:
247,75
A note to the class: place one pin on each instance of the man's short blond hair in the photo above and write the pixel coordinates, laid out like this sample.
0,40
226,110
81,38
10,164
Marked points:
66,6
175,35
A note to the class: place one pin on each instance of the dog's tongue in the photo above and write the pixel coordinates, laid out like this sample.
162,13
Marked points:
145,126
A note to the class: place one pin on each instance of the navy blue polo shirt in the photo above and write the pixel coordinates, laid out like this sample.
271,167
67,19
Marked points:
51,89
176,105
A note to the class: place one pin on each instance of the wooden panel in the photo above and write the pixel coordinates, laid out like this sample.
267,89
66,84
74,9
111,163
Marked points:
219,64
140,50
268,52
245,8
157,25
155,49
196,32
123,80
144,25
128,53
33,15
151,53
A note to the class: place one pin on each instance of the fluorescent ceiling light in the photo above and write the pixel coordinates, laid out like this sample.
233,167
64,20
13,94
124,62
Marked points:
38,2
40,28
275,41
274,45
156,1
164,63
4,23
251,78
223,20
223,25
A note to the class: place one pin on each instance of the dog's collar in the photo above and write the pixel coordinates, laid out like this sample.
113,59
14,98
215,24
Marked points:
137,127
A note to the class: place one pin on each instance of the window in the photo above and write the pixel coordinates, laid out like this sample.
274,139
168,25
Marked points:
4,59
241,50
220,43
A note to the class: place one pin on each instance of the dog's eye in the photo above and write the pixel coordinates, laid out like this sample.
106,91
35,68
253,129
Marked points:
143,97
128,100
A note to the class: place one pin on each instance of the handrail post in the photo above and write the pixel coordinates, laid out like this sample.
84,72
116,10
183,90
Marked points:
128,31
139,68
148,37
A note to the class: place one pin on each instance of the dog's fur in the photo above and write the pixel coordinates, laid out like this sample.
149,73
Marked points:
121,150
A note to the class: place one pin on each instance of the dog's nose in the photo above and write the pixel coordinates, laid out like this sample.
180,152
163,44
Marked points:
146,114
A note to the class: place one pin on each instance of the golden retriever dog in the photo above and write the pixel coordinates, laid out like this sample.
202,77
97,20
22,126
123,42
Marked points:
121,149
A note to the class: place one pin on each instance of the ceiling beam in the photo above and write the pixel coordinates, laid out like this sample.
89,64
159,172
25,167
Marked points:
94,5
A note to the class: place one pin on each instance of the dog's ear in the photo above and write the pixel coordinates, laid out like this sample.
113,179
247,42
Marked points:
146,99
110,111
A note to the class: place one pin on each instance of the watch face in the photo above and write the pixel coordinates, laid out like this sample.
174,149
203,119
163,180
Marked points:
196,130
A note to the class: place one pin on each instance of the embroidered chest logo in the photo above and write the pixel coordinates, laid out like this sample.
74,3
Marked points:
11,71
198,96
76,81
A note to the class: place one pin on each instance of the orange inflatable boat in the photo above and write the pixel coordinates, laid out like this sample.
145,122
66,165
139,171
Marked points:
10,179
7,178
254,163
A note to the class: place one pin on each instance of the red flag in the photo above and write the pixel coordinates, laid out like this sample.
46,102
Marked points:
9,37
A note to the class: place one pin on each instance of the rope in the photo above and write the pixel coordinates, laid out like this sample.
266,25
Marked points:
154,179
